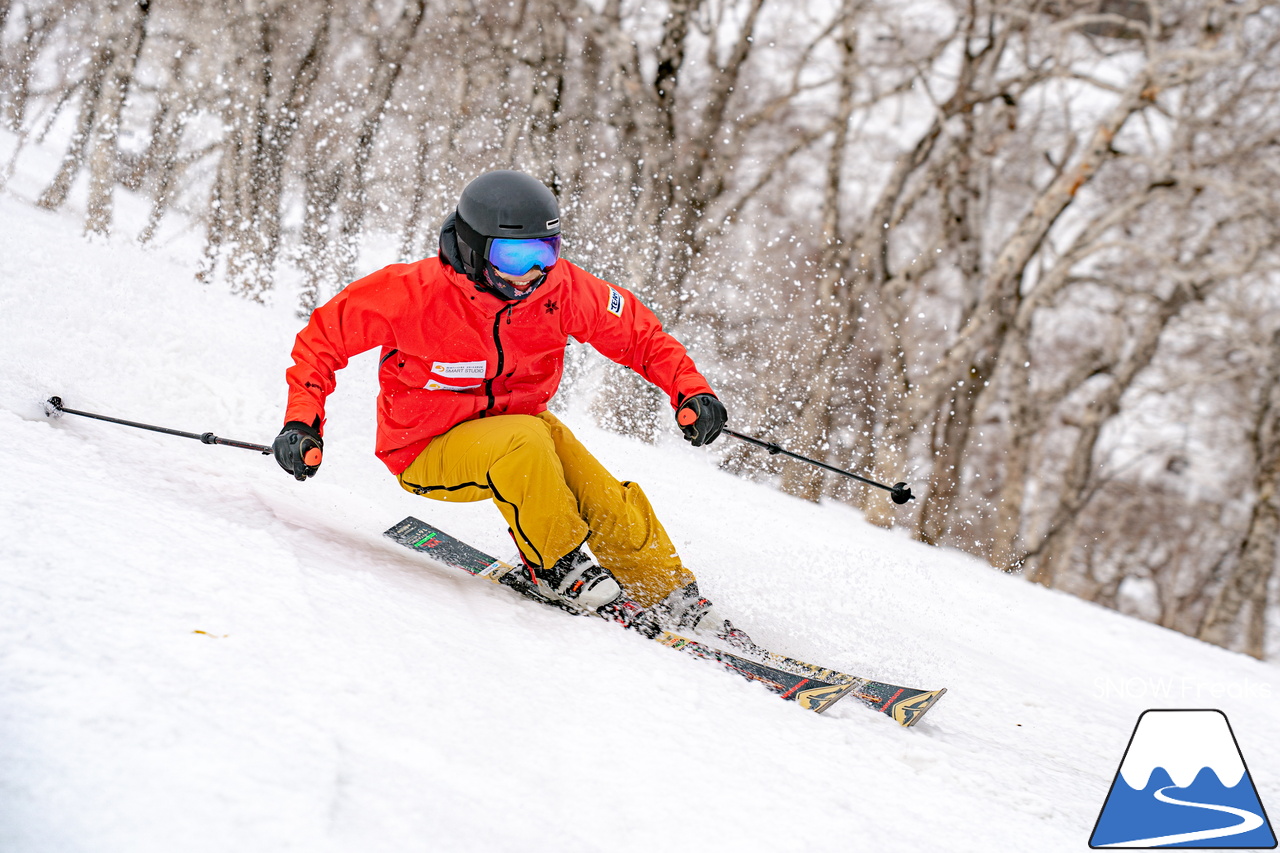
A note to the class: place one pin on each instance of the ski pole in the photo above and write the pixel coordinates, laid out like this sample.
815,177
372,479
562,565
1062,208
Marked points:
54,408
899,491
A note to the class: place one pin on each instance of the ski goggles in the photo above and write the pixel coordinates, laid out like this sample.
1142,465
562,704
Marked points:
517,257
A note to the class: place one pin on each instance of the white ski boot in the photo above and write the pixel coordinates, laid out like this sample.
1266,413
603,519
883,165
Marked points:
578,581
686,611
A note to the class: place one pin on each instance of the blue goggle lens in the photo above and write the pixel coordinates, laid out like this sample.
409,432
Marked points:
517,257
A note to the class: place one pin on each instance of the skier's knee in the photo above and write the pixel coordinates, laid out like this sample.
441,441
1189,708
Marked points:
527,433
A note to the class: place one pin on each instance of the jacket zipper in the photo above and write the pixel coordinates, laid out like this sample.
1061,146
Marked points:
497,342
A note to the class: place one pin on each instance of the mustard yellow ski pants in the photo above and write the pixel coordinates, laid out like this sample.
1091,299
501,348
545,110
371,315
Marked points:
554,495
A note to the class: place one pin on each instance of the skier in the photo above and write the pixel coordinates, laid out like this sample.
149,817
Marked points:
472,349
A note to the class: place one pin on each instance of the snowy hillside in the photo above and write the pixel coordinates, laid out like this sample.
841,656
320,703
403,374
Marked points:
198,653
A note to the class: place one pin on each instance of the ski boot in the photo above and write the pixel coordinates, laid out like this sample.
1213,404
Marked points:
577,581
686,611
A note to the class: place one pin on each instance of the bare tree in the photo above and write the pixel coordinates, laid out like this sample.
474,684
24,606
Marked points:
119,76
34,31
273,86
105,17
161,168
1255,563
390,52
1081,475
814,421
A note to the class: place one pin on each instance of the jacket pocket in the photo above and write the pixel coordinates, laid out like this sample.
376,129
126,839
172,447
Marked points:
400,368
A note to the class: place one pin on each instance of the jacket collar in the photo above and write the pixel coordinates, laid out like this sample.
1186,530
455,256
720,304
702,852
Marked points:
489,303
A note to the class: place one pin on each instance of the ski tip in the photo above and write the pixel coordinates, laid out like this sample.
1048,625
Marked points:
819,699
909,711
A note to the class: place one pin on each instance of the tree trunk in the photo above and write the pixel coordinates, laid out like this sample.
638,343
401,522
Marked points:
1250,577
164,157
1081,479
1022,425
55,195
415,235
17,75
320,194
391,55
989,321
1255,641
961,184
820,361
1027,414
104,157
624,404
251,228
949,445
249,189
698,177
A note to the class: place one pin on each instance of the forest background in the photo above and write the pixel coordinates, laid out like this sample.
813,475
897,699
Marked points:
1022,255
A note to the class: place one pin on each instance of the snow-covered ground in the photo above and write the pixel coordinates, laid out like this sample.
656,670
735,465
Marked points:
198,653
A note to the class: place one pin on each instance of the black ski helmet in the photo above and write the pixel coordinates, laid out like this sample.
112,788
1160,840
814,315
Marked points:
499,205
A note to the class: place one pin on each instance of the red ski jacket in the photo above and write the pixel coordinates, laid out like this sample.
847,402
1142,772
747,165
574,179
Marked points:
451,353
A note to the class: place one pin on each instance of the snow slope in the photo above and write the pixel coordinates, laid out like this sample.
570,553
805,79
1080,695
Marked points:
198,653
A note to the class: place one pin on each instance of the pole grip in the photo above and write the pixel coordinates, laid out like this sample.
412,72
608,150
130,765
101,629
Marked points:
312,455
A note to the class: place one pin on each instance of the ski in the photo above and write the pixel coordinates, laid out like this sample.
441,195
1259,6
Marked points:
812,687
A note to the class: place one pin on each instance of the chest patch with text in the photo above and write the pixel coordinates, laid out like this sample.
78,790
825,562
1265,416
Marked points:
433,385
459,369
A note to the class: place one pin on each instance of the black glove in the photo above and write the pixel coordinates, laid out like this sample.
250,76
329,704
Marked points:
701,418
298,449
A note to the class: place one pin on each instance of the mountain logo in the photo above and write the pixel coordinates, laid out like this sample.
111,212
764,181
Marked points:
1183,783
